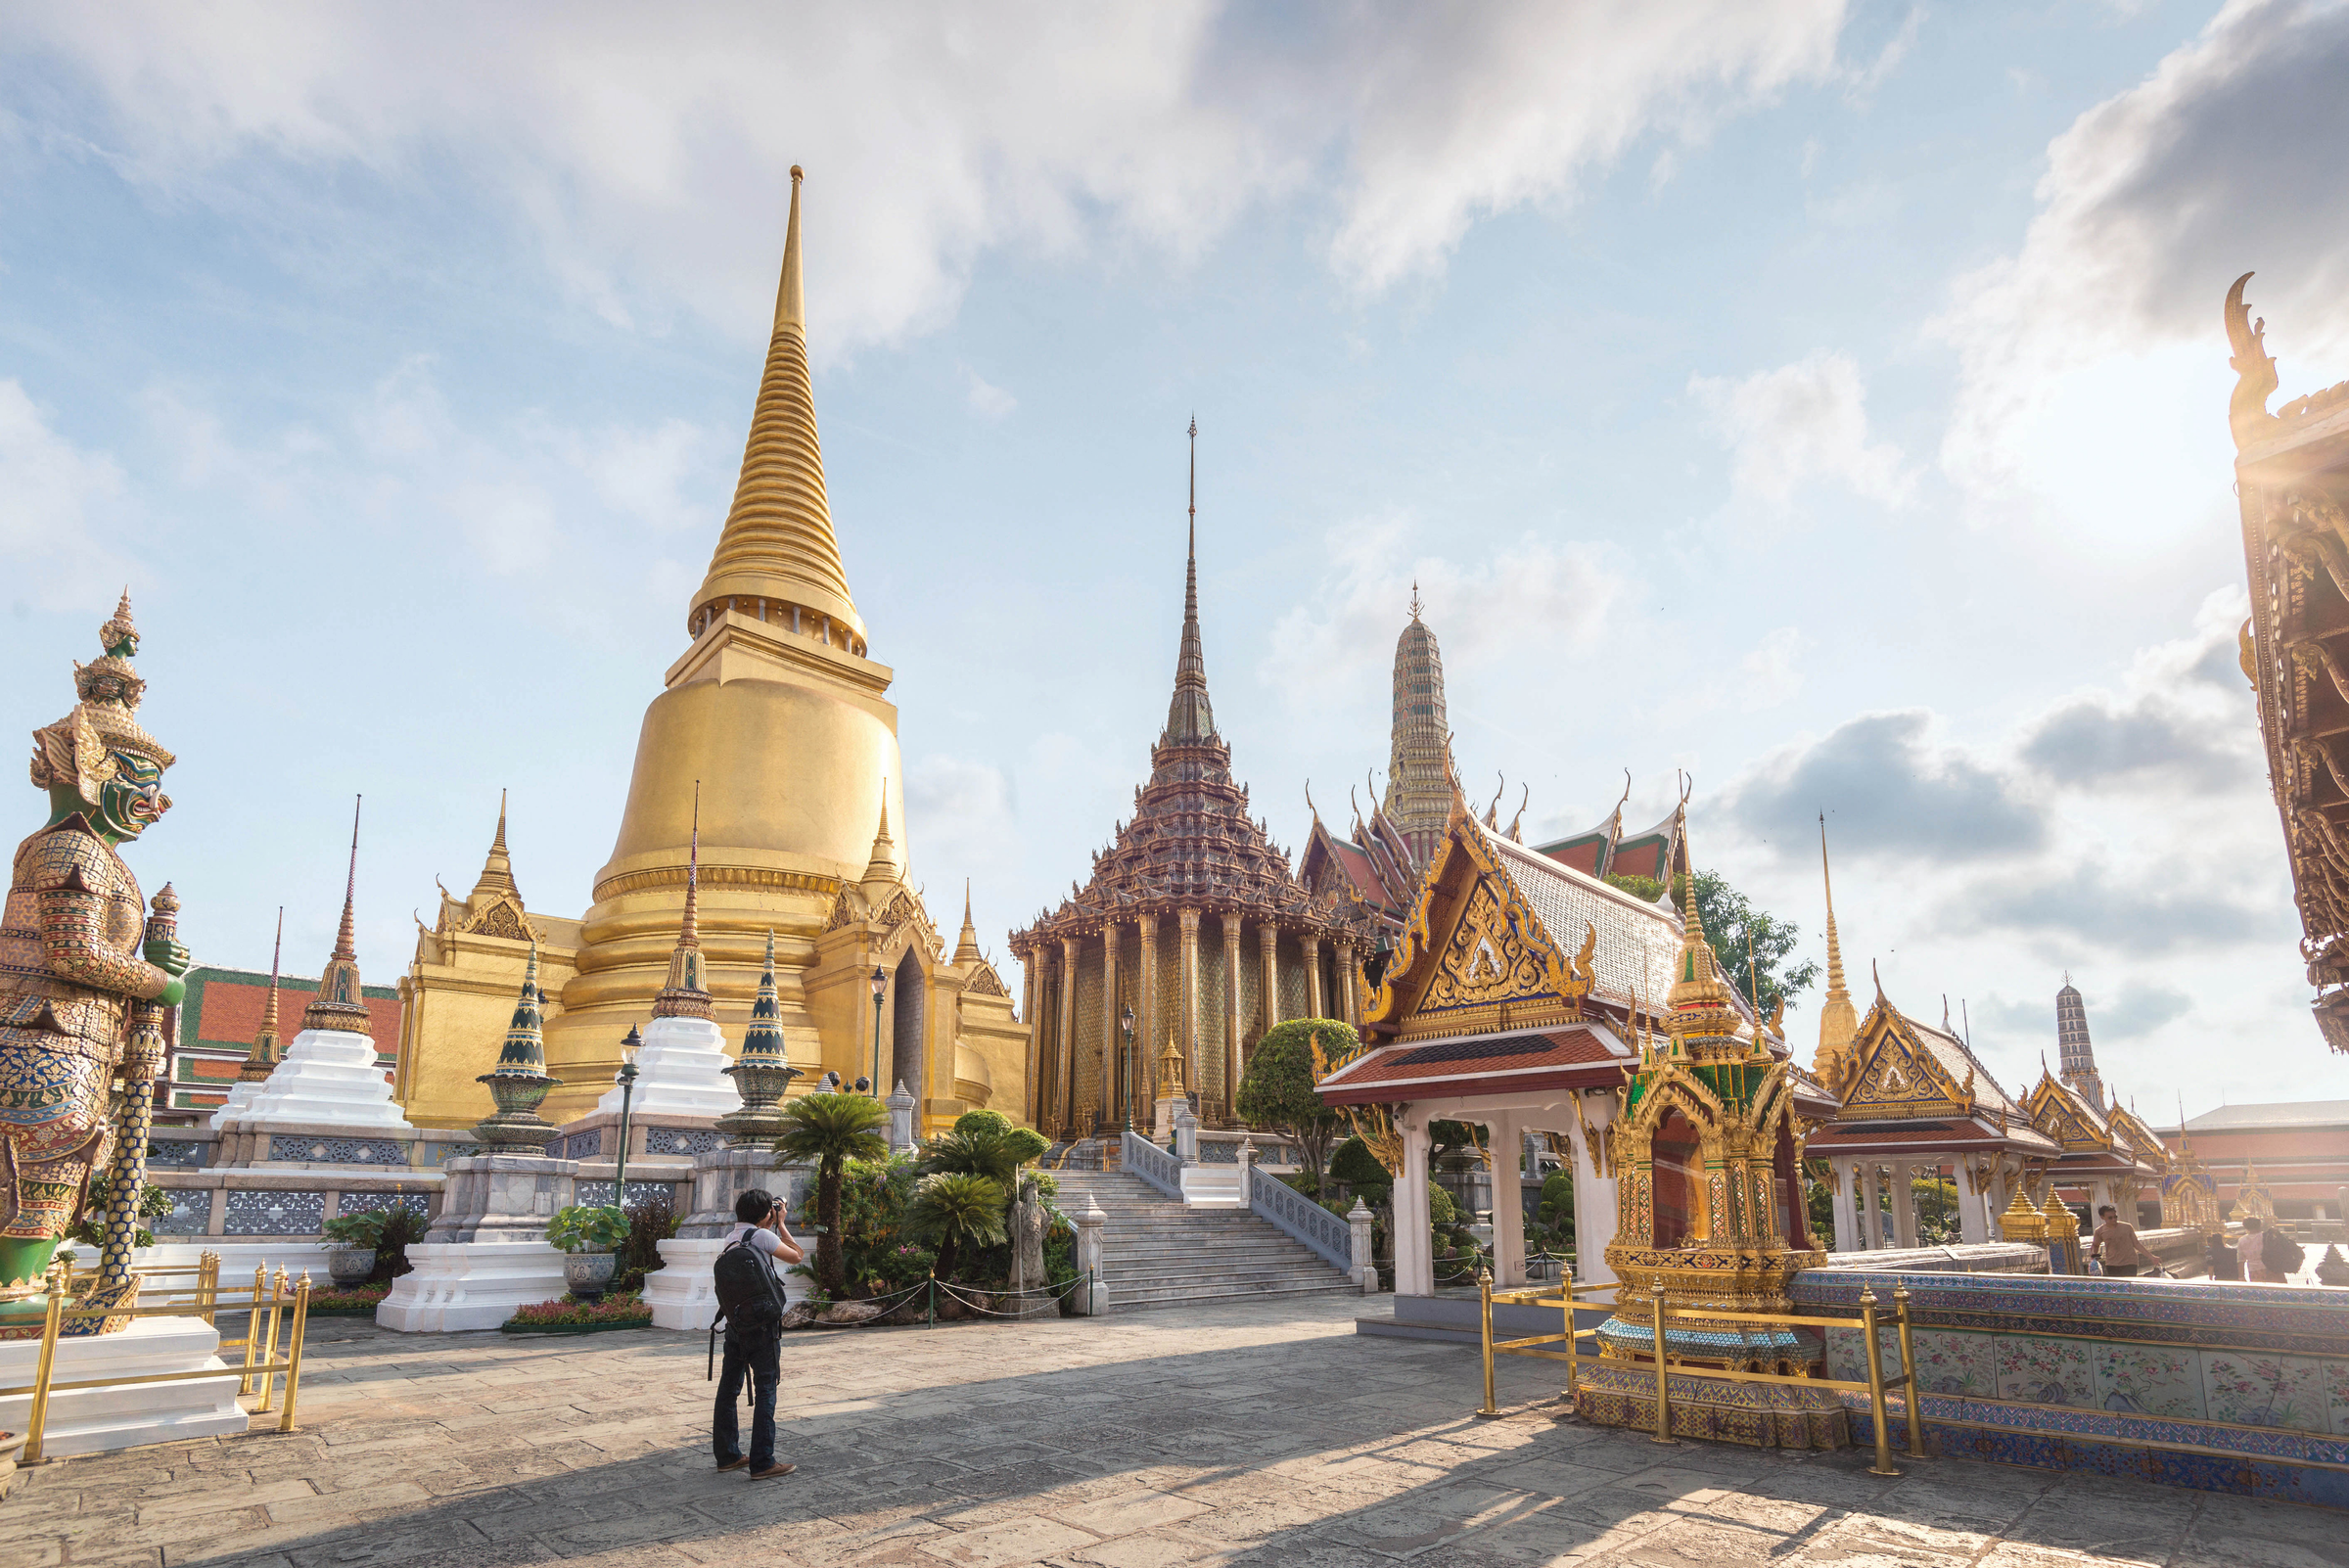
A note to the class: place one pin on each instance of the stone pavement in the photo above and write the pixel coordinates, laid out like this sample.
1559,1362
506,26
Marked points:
1233,1434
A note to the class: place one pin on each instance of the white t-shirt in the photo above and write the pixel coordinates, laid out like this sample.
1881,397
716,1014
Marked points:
762,1240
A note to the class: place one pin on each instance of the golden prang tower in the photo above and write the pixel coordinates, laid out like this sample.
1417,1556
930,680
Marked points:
781,720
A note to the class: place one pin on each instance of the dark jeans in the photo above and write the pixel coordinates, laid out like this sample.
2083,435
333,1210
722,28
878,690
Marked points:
2120,1270
760,1356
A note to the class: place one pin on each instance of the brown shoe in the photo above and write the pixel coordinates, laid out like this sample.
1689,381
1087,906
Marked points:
734,1464
772,1471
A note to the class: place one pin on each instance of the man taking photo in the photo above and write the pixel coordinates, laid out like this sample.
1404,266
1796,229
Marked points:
750,1304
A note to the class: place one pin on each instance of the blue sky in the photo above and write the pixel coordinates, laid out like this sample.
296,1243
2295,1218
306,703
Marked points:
1827,399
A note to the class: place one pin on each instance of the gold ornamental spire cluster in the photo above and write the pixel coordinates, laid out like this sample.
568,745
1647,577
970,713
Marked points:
778,557
1699,1004
683,994
1838,1019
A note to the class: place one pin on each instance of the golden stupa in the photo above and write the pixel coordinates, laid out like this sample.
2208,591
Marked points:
780,719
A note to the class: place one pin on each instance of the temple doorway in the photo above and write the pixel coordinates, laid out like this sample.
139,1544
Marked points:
909,998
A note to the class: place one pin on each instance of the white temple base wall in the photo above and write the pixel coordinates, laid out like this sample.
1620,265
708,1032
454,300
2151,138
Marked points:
682,1292
681,1071
461,1286
123,1415
329,1077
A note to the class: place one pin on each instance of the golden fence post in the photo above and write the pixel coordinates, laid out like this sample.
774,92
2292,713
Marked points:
252,1326
277,1294
207,1285
302,1314
1911,1394
1663,1386
1573,1345
37,1423
1876,1385
1483,1298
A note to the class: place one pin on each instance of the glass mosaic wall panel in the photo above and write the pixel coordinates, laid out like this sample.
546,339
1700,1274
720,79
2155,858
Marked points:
275,1214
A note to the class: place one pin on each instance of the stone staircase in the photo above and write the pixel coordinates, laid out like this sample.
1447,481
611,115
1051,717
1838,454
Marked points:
1155,1252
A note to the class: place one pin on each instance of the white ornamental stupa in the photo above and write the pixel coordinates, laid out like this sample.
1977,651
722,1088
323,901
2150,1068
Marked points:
681,1068
330,1082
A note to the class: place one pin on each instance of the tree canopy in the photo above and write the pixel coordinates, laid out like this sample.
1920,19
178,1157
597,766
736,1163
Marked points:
1276,1092
1730,918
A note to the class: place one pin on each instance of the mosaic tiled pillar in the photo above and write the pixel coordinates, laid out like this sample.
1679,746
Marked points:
1064,1087
1112,1038
1231,1015
1149,1032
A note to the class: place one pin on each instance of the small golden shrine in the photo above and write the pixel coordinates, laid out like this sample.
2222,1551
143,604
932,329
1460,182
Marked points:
1710,1206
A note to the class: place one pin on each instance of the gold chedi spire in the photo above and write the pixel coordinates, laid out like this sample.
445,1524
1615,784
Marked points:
1190,717
881,868
262,1060
1839,1020
1698,1005
685,994
777,553
966,947
498,868
340,1002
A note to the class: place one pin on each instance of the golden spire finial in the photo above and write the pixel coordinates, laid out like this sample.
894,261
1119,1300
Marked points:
1699,998
1190,715
498,867
882,865
1414,598
966,948
346,945
263,1055
778,547
341,1000
689,930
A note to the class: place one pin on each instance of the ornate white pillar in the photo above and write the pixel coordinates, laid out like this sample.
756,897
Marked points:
1595,1195
1415,1239
1845,1173
1870,1217
1064,1092
1231,1013
1506,1147
1904,1203
1973,1219
1113,1038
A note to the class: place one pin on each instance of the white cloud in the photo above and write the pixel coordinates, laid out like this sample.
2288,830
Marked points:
644,474
987,399
57,503
1770,676
2097,349
1530,598
1800,424
651,157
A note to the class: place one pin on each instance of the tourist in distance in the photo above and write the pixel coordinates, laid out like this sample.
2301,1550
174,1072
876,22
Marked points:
750,1302
2115,1246
2251,1251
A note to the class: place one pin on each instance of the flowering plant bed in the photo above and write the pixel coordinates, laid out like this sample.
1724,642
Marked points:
355,1300
572,1317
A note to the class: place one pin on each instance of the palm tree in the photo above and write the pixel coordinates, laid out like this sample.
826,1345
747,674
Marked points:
958,1208
995,1153
831,1129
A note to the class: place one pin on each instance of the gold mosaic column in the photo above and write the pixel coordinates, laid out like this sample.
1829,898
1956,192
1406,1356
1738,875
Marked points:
1232,1012
1028,963
1188,1023
1064,1087
1113,1041
1268,948
1147,1031
1348,969
1313,975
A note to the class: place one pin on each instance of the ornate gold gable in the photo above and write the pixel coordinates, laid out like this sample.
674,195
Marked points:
2053,1112
1892,1074
1494,966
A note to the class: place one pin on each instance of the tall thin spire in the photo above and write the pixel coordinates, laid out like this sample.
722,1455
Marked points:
966,950
1419,787
498,867
264,1057
340,1002
1190,718
778,551
1839,1020
881,867
685,993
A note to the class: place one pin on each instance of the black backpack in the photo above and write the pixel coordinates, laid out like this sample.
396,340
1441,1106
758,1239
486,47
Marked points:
2280,1254
749,1300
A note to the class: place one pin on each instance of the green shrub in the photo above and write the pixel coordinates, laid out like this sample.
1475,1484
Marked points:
363,1230
988,1121
1354,1164
403,1229
587,1227
612,1309
954,1209
91,1228
879,1252
1439,1207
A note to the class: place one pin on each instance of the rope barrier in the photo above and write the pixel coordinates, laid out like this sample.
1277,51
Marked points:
1056,1294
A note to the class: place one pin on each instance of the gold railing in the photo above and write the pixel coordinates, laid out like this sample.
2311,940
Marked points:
270,1307
1876,1385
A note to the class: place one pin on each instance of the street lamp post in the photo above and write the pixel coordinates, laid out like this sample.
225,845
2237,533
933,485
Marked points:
880,984
626,1079
1126,1072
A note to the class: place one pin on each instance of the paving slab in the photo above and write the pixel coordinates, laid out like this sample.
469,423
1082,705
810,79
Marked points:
1238,1435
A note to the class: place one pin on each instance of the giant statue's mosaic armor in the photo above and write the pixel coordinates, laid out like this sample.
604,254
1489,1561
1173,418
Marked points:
82,979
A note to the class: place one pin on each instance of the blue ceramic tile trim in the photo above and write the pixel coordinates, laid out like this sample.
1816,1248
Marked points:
2294,1319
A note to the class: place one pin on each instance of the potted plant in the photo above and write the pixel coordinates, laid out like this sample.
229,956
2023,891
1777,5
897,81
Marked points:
354,1237
587,1232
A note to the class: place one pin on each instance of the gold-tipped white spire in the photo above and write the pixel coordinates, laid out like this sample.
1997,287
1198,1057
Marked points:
1839,1020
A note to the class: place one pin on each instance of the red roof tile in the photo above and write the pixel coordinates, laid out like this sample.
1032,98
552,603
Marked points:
1474,1063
